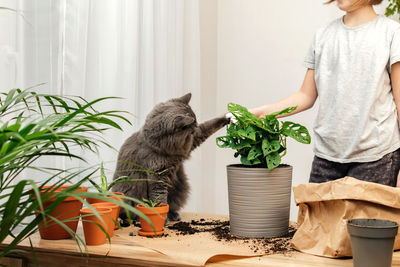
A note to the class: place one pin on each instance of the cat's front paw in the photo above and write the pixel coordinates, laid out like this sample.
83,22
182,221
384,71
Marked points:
228,118
173,216
166,222
124,223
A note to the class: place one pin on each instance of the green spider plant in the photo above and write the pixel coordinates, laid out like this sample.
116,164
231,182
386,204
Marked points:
151,203
34,126
104,186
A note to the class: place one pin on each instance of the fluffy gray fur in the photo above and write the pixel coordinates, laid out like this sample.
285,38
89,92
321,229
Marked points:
169,135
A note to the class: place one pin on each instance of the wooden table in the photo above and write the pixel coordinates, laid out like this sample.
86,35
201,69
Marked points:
63,253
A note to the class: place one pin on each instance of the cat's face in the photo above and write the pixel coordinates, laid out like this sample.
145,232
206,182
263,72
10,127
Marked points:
170,126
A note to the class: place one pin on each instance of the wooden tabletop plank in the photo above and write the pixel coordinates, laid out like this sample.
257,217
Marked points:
125,253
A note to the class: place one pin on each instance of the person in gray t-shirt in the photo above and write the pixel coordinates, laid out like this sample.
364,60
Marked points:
353,67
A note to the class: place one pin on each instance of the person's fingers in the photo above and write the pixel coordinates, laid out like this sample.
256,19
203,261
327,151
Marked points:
256,112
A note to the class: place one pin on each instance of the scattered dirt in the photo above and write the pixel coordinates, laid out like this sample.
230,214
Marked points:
221,231
183,228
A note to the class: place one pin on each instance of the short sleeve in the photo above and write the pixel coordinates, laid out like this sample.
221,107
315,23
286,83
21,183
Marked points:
395,48
309,61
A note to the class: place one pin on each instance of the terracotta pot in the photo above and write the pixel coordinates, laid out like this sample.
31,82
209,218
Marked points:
259,200
67,210
114,214
91,200
157,220
95,200
119,207
94,235
372,241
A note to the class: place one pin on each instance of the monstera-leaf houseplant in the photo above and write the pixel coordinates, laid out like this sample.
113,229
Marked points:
259,188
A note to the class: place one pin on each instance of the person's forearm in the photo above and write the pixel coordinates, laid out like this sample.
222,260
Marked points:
299,99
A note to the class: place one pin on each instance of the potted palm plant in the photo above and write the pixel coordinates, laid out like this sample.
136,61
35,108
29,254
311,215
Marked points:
104,188
259,188
34,126
104,191
156,212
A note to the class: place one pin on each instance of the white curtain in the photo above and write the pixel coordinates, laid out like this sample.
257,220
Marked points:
144,51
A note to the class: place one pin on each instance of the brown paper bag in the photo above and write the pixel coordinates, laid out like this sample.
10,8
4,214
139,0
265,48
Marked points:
325,208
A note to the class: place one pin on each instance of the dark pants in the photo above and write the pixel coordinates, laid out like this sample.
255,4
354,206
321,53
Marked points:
383,171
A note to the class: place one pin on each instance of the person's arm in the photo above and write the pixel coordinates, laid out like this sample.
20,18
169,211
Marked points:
395,78
303,99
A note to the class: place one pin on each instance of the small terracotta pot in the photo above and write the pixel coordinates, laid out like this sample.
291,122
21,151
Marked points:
95,200
119,207
67,210
91,200
114,214
157,220
94,235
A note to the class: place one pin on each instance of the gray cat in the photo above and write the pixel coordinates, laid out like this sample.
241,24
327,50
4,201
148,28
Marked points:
161,146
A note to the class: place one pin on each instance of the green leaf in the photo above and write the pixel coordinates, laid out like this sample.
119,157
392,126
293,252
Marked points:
271,124
224,141
254,153
273,160
103,177
245,161
393,8
243,116
10,209
296,131
242,143
283,112
270,147
98,188
249,133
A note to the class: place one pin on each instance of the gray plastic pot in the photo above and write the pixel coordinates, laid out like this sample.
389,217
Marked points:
259,200
372,241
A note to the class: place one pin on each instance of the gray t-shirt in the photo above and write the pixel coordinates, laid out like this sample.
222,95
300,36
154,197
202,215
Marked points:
357,117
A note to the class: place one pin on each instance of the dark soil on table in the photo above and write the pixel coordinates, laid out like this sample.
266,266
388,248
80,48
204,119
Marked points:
221,231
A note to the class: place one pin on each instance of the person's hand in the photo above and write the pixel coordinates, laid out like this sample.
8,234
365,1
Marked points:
259,112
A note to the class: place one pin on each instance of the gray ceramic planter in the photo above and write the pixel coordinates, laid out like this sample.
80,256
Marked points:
259,200
372,241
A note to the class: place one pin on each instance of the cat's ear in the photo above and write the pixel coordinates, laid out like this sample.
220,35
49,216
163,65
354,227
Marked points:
182,121
186,98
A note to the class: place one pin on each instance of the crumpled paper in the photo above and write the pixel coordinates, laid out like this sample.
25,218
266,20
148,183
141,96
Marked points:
325,208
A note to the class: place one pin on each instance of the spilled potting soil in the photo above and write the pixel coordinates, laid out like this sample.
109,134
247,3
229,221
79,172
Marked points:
220,230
